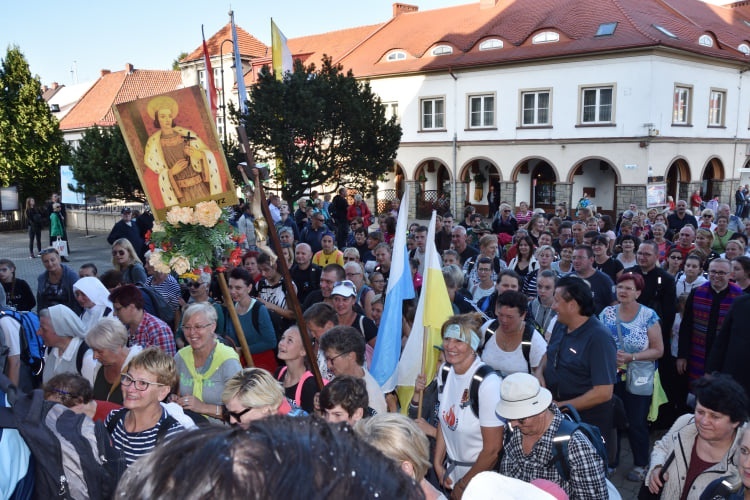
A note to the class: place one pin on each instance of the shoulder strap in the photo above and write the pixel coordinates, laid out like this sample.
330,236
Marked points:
118,415
476,381
528,332
489,333
80,354
445,369
255,315
164,428
298,392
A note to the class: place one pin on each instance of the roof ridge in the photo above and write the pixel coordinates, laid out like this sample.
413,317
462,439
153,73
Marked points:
363,40
632,22
678,12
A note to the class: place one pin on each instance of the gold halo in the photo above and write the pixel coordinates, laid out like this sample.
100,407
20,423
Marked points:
162,102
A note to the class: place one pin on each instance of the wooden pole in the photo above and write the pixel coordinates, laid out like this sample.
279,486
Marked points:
425,337
291,297
229,304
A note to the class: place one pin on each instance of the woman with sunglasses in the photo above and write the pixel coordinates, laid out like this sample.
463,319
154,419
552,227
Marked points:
205,365
125,260
146,381
253,394
673,264
18,294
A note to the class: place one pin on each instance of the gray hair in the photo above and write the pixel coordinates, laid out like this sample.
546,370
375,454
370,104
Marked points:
107,334
200,307
453,276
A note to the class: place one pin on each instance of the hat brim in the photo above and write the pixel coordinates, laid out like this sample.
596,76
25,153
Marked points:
514,410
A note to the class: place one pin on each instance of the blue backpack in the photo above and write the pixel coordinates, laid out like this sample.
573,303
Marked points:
571,423
32,345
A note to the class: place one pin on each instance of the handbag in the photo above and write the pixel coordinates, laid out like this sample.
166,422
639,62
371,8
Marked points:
640,374
61,246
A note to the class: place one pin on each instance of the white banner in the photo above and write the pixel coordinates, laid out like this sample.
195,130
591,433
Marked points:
69,197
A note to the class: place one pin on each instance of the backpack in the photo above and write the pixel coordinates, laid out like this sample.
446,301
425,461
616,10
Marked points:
571,423
32,345
74,455
476,380
528,332
159,303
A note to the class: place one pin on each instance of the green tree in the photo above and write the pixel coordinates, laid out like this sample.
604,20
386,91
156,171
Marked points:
176,62
31,144
325,127
102,166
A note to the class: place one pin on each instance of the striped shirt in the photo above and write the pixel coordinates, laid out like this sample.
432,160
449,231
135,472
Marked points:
137,444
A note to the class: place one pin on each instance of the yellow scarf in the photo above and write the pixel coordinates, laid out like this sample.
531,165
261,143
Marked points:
221,353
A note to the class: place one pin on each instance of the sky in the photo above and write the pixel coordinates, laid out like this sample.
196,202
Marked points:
71,41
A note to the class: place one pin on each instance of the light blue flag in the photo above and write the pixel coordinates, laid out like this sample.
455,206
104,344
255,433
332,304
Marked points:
400,288
241,91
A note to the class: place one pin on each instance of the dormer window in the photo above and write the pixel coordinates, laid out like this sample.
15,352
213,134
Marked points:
546,37
442,50
606,29
665,31
396,55
744,48
491,44
706,41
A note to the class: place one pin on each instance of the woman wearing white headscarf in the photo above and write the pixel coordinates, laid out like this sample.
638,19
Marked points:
63,334
93,296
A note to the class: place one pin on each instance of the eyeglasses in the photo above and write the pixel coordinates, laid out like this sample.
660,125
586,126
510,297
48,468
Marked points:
194,284
483,270
353,274
120,253
140,385
718,273
236,415
195,327
377,281
334,358
708,216
345,283
350,259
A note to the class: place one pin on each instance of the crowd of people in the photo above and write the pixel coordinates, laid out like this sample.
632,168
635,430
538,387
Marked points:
632,324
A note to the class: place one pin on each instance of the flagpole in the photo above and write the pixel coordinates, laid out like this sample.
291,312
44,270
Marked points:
291,297
425,338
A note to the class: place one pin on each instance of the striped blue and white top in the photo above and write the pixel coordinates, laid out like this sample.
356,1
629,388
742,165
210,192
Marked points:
137,444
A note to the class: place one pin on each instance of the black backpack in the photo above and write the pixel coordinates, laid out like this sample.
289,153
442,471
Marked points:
528,332
476,381
74,456
160,306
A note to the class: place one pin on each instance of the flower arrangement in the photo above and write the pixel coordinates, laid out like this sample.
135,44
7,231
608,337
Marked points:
194,239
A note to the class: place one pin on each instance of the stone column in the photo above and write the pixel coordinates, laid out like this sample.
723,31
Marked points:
508,192
415,192
627,193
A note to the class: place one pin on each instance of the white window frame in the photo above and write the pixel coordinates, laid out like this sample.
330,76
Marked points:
396,55
437,118
706,41
546,37
682,104
597,91
744,48
482,112
535,107
717,110
391,109
491,44
442,50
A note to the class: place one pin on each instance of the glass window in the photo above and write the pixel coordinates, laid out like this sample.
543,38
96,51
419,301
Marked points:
681,105
481,111
597,105
433,114
716,108
536,108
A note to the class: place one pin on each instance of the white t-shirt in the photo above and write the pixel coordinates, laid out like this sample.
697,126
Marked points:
375,393
461,429
513,361
478,293
11,329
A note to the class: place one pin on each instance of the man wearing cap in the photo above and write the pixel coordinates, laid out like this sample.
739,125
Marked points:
344,296
533,420
581,356
127,228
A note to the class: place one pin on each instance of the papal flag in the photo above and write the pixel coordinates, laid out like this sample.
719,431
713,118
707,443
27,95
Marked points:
282,57
400,288
434,309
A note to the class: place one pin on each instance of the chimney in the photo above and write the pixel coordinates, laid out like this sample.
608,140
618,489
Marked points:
128,68
403,8
104,72
487,4
45,88
55,85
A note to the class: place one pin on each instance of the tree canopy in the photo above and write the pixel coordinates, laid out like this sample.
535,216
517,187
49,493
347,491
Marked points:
31,144
323,126
102,166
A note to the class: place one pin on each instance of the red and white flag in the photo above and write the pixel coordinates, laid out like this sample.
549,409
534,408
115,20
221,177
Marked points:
210,85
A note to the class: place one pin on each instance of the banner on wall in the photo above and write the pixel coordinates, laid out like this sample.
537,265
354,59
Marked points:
656,195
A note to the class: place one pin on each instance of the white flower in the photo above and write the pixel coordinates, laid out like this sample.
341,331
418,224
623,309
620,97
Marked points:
207,213
180,215
180,264
157,261
158,227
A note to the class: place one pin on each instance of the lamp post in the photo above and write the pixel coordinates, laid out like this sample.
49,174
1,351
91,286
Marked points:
223,94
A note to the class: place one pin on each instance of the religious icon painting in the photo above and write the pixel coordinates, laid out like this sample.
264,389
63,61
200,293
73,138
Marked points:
175,148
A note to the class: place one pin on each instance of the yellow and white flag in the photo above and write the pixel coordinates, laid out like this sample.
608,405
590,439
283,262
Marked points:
282,57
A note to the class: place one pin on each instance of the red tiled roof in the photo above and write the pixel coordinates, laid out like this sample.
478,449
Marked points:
249,45
95,107
516,21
